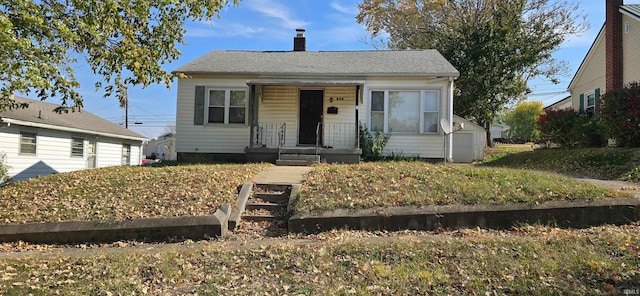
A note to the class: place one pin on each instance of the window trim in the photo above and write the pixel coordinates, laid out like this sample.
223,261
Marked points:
34,144
422,91
73,140
227,104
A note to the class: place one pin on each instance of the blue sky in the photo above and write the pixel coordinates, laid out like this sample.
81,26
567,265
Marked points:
270,25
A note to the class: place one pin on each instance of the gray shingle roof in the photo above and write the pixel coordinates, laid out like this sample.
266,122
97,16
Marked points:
633,9
40,112
322,63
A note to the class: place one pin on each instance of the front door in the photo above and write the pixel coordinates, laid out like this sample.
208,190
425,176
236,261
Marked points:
91,154
310,116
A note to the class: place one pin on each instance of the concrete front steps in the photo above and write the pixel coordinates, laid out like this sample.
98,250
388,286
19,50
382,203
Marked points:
297,159
268,203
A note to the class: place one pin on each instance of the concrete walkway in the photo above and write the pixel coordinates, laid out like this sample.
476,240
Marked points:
282,175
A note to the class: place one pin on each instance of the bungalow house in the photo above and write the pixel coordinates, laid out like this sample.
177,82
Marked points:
259,105
613,59
37,141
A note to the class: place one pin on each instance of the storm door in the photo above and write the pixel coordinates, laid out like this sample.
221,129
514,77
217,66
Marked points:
310,116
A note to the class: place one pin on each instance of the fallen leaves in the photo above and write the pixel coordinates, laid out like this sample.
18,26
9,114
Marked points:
391,184
126,192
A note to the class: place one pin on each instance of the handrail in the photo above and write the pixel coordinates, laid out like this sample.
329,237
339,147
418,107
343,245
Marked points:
318,136
282,133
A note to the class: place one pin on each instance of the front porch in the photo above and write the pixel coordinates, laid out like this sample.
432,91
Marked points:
335,143
297,118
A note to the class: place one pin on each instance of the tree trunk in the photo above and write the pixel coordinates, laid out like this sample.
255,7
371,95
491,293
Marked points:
487,127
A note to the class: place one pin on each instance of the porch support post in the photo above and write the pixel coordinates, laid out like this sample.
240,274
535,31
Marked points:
450,106
252,114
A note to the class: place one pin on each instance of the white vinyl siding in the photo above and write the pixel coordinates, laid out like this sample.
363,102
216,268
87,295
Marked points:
77,147
53,155
424,145
279,104
28,143
208,138
339,130
631,51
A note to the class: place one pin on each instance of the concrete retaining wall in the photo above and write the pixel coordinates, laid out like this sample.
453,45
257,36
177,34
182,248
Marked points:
147,229
577,214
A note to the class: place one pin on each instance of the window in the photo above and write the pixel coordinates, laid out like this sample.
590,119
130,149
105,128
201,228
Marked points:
590,106
377,111
77,147
227,106
430,112
28,143
395,111
126,154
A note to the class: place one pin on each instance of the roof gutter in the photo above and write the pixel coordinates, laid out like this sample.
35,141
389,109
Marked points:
317,75
9,121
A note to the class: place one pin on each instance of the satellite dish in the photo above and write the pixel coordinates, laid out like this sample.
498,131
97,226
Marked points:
444,124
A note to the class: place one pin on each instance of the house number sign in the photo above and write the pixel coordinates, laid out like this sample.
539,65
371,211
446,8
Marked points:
337,99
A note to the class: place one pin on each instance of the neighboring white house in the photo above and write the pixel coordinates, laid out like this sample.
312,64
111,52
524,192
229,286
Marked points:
163,146
499,130
613,59
256,105
37,141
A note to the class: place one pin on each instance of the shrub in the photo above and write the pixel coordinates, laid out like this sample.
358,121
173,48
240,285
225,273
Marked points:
570,128
4,169
371,144
619,112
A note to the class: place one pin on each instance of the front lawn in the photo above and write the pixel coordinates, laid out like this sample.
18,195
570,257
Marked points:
600,163
525,261
390,184
124,192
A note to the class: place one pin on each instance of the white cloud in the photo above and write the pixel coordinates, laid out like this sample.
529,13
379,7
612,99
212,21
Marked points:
205,30
344,9
276,11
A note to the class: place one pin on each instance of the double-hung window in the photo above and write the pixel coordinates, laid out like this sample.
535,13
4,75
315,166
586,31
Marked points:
126,154
226,106
28,143
77,147
590,106
400,111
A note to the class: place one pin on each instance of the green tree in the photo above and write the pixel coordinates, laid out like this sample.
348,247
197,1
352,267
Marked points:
497,45
123,41
523,120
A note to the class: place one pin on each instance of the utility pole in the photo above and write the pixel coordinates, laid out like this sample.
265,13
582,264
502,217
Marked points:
126,111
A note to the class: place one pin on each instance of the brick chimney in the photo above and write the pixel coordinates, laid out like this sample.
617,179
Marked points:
300,42
613,33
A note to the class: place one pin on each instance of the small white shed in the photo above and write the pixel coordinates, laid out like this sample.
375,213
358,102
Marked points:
469,142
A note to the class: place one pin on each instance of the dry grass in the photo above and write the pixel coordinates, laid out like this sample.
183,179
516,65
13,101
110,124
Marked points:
125,192
531,260
389,184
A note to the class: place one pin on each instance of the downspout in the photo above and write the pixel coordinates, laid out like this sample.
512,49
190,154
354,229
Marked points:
450,106
357,119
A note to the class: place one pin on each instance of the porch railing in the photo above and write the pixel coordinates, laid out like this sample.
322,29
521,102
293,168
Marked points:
337,135
328,135
266,134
